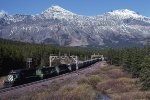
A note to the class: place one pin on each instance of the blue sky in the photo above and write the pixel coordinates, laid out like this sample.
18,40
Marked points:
83,7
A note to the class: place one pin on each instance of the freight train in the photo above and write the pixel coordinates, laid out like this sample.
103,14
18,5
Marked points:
23,76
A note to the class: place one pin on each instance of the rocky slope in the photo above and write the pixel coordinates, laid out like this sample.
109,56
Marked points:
118,28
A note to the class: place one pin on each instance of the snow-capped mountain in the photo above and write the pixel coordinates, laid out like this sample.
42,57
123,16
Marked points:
56,12
2,13
125,13
56,25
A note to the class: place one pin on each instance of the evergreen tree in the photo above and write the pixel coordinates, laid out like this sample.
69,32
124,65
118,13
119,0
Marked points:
145,73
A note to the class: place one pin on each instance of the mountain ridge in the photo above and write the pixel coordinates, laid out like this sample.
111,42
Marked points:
56,25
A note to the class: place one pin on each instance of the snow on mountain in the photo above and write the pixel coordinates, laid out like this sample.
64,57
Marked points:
55,25
12,18
56,12
125,13
2,13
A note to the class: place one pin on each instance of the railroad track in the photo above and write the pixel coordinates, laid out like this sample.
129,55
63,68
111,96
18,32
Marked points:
3,90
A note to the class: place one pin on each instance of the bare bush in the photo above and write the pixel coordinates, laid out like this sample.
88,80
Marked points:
91,80
132,96
112,86
116,73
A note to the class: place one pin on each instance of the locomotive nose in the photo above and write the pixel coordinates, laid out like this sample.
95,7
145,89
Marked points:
8,84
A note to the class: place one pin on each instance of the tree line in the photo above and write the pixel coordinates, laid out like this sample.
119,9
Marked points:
13,54
133,60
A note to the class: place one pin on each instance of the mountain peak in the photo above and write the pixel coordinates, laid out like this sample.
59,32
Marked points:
56,12
125,12
2,13
57,9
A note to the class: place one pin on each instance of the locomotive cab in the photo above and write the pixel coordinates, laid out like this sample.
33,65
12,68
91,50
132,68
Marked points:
11,78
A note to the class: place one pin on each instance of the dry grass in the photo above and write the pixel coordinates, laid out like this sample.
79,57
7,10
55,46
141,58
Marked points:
112,86
116,73
95,72
106,68
82,80
120,85
59,91
132,96
129,83
90,80
84,92
94,80
68,92
117,81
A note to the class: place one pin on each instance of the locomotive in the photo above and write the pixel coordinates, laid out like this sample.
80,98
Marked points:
23,76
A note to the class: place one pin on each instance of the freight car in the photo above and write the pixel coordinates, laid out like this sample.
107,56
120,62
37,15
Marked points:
62,69
72,66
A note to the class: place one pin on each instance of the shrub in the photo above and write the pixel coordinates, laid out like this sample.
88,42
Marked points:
106,68
145,77
66,89
84,92
132,96
116,73
94,80
91,80
80,92
40,96
128,82
82,80
54,86
95,72
112,86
